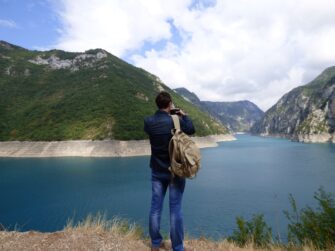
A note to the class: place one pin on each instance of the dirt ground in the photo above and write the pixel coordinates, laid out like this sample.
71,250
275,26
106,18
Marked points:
95,239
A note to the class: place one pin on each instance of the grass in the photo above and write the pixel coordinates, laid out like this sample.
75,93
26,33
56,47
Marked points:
133,232
100,222
97,232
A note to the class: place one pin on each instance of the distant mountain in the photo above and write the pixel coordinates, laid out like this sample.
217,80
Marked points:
58,95
307,113
238,116
189,96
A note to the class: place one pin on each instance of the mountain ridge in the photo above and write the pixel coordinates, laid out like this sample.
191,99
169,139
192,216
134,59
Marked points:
236,115
58,95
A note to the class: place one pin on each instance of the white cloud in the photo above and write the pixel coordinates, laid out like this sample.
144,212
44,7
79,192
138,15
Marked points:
117,26
8,23
234,49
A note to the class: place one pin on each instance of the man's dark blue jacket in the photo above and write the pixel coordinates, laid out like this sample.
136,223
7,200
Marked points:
158,127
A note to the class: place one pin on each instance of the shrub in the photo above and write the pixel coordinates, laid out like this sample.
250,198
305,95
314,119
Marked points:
254,231
313,226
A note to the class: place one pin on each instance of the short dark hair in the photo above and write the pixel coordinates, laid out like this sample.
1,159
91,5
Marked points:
163,99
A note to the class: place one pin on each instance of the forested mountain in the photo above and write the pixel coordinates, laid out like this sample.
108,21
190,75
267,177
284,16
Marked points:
58,95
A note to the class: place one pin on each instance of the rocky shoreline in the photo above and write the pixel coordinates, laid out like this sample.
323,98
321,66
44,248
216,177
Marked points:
93,148
316,138
305,138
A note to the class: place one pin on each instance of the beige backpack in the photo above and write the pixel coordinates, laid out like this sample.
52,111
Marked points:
184,153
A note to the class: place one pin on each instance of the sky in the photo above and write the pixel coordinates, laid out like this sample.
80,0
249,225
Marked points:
224,50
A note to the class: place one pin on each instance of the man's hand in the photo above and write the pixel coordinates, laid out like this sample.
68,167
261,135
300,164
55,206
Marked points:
181,113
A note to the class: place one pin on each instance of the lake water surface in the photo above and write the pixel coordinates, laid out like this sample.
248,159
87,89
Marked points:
238,178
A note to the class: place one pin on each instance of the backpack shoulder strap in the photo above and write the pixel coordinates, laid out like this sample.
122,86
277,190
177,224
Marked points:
176,121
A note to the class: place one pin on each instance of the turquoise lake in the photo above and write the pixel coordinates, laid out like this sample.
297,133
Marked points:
238,178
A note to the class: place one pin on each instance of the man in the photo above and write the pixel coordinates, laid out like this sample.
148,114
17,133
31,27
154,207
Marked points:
158,127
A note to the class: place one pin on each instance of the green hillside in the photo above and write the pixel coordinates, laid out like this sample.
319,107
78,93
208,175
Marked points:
58,95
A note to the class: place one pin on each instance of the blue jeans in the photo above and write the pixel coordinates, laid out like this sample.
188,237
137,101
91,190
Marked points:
160,183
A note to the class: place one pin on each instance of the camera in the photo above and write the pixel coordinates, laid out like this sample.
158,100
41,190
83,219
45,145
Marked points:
174,111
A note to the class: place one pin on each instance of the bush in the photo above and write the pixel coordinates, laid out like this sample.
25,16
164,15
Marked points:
254,231
313,226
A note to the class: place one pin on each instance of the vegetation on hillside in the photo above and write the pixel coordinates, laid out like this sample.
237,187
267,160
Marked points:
58,95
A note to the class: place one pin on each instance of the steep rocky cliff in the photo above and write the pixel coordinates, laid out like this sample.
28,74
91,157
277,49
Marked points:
238,116
307,113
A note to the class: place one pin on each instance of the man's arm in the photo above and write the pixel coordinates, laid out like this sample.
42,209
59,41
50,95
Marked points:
186,125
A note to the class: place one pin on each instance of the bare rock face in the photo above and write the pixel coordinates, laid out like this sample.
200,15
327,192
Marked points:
7,46
82,60
307,113
141,96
